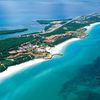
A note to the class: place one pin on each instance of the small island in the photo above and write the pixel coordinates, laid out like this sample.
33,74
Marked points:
27,47
12,31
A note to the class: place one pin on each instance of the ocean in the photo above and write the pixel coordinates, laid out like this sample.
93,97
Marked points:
73,76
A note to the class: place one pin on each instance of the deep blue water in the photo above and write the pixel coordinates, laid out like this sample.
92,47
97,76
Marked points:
74,76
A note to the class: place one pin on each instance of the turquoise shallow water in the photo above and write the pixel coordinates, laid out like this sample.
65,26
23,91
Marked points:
74,76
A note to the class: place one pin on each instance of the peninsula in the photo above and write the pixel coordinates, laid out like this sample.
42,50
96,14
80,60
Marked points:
27,47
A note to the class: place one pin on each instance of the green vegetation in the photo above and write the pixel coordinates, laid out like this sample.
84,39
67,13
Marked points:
60,40
2,69
13,44
7,44
24,58
65,28
50,21
36,43
2,32
44,21
6,63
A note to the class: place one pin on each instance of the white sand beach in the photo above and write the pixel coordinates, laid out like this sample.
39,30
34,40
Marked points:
54,50
58,48
91,25
17,68
14,69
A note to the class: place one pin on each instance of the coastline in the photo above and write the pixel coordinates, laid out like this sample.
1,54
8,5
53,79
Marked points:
58,48
54,50
20,67
91,25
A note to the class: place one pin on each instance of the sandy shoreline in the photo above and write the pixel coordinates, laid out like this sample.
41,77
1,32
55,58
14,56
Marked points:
91,25
14,69
57,49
